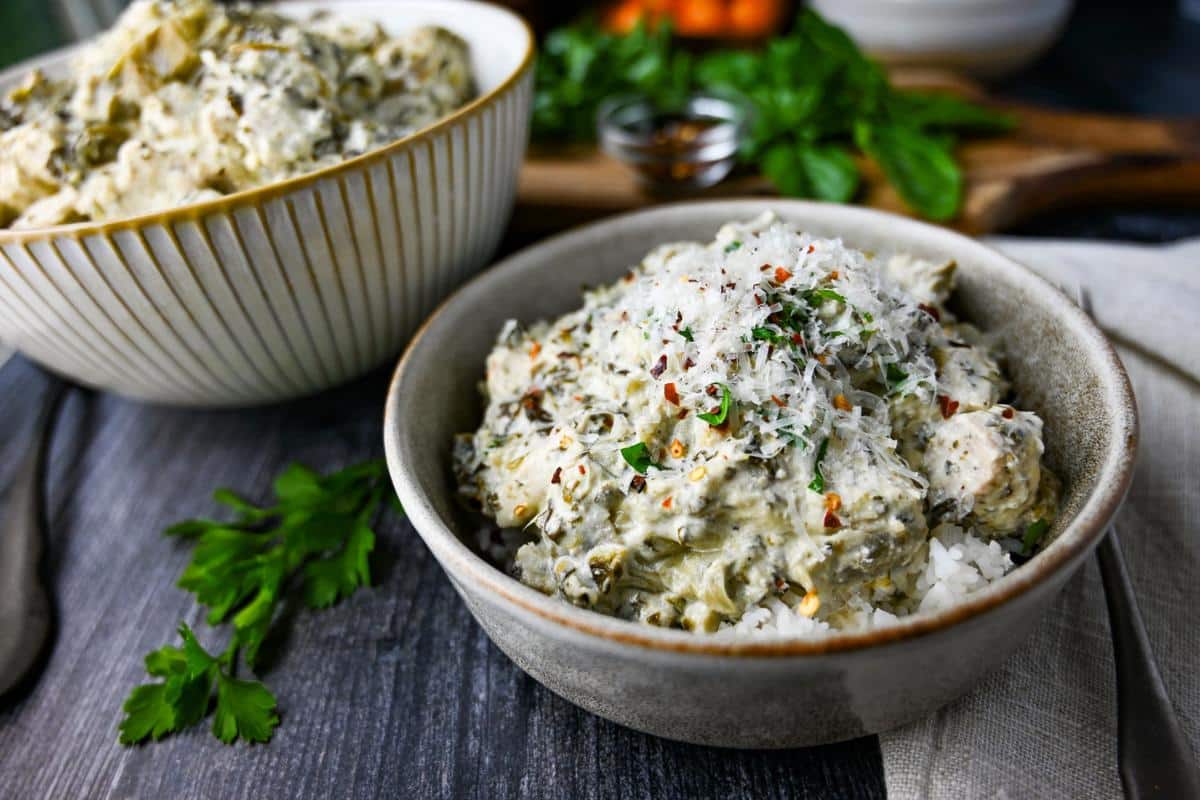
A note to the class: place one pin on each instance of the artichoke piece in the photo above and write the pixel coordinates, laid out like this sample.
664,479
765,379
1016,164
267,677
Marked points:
98,144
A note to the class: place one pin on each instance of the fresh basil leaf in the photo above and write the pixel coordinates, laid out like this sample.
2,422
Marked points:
929,110
781,165
830,172
920,168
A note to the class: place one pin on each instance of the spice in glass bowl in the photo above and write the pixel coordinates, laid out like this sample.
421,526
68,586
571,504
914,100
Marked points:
673,148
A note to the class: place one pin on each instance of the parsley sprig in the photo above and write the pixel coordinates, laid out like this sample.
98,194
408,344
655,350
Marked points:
315,538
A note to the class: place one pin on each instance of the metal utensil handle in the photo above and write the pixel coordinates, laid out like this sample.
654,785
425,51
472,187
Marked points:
1154,753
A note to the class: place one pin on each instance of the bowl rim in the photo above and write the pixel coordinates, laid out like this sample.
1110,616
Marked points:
1081,534
256,195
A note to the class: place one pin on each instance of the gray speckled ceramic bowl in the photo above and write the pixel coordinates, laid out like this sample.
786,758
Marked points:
763,692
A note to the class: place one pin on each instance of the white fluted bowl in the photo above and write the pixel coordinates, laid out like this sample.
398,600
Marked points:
295,286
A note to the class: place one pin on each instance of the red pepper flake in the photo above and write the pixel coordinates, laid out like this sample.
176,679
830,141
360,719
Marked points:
947,406
582,470
833,276
775,399
671,394
678,320
682,414
638,484
711,391
660,367
764,268
532,399
688,364
931,311
1007,413
666,503
557,476
811,248
629,276
781,275
797,339
757,300
578,398
831,520
535,349
841,403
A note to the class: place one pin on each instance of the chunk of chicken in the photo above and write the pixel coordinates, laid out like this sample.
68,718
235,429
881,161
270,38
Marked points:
986,466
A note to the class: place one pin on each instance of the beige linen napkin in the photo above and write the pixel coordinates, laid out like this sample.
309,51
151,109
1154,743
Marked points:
1044,725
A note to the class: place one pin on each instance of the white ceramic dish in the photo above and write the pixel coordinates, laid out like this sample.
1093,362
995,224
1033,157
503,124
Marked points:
763,692
291,287
987,38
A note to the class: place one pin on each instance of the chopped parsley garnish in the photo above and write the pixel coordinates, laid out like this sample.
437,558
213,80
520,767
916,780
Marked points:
719,415
814,297
638,457
895,376
1033,535
790,317
316,537
729,248
768,335
818,482
686,333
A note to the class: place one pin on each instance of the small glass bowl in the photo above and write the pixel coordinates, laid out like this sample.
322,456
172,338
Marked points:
673,149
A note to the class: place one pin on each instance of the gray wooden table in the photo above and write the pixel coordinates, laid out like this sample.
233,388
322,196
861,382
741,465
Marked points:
394,693
397,692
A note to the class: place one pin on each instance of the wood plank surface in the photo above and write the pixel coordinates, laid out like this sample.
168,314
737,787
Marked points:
394,693
1053,159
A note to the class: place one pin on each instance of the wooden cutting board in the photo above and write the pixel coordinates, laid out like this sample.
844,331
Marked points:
1053,159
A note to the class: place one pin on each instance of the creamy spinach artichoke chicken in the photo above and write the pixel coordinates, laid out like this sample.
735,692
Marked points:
770,432
189,100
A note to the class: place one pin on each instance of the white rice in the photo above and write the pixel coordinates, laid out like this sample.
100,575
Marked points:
957,564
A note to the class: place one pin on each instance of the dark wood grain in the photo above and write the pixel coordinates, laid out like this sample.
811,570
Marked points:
394,693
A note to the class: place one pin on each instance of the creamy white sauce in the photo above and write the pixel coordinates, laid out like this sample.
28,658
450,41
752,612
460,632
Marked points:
187,100
861,414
